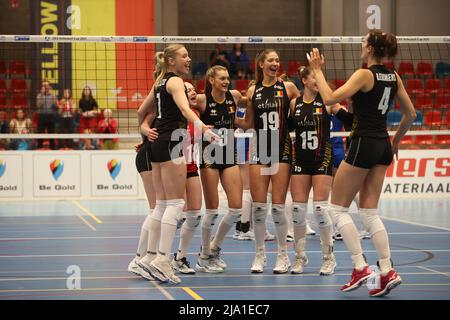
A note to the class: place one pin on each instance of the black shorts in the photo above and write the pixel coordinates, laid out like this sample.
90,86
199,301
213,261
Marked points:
191,174
325,169
219,167
367,152
143,162
284,154
162,151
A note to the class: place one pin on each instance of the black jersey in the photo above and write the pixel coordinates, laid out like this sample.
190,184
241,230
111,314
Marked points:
271,109
169,116
221,116
312,133
370,108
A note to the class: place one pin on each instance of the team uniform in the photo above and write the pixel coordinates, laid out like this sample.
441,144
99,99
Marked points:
370,144
313,153
337,142
169,118
221,116
271,109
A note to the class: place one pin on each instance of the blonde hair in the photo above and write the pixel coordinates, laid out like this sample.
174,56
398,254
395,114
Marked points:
162,61
211,73
260,58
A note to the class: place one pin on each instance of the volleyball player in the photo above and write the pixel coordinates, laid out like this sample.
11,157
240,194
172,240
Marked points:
144,167
267,113
312,167
168,95
371,152
217,108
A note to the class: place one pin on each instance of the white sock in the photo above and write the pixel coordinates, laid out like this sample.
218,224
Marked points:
225,225
288,210
259,215
143,237
169,223
155,227
187,232
246,206
281,227
207,231
300,226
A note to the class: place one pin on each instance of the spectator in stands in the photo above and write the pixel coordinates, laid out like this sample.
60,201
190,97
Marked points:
239,62
67,111
4,128
20,125
219,57
108,125
88,108
46,110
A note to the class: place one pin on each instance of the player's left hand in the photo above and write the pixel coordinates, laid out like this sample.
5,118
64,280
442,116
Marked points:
315,59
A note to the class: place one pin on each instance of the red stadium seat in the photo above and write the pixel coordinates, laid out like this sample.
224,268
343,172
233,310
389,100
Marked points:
19,101
433,86
293,68
18,68
447,118
447,86
3,88
442,139
408,140
200,86
406,69
390,65
338,83
414,86
424,101
18,86
425,139
3,104
242,85
424,69
282,69
3,69
433,118
442,101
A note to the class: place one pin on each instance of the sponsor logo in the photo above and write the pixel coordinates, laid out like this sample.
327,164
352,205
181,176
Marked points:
221,39
278,87
114,167
2,168
213,112
106,39
142,39
255,39
22,38
57,168
336,40
229,102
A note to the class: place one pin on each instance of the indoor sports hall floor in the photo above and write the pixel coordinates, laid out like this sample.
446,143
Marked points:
39,240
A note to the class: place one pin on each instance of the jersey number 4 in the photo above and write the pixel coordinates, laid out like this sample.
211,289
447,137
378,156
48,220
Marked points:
384,102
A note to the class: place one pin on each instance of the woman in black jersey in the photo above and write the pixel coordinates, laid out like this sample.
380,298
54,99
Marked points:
267,113
312,167
144,167
217,108
168,100
372,91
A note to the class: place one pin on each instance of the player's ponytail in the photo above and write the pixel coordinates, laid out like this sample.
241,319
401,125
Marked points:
383,44
391,45
162,61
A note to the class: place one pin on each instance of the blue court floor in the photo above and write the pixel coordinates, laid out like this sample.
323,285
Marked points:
41,240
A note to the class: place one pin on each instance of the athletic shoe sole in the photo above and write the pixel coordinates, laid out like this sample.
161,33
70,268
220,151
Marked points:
144,273
206,270
390,286
155,273
358,284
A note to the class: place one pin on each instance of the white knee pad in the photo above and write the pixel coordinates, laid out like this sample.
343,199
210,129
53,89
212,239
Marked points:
299,213
321,214
147,221
173,211
233,215
181,220
278,214
209,219
193,218
339,215
371,220
160,207
259,212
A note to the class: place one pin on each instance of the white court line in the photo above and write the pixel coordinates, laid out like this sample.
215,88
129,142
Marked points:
87,223
414,223
434,271
191,253
197,236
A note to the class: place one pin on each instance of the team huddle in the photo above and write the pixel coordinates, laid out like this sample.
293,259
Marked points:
178,126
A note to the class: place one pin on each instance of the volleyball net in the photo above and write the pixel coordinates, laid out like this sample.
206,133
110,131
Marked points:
119,71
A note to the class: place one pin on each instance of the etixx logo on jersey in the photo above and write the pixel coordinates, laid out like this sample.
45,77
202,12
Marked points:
2,168
57,168
114,167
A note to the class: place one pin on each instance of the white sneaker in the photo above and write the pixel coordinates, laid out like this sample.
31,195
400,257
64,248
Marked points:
309,230
144,265
162,270
182,265
301,260
135,268
259,262
328,265
237,235
363,234
207,265
249,235
282,264
217,260
269,236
